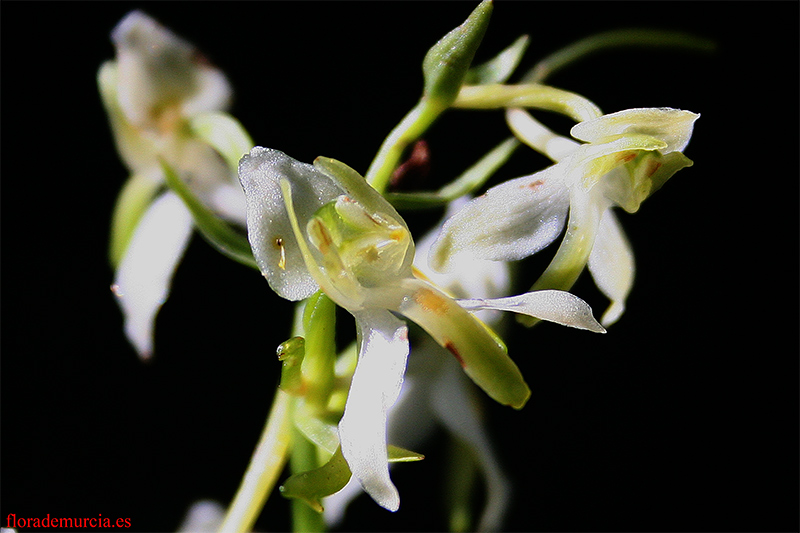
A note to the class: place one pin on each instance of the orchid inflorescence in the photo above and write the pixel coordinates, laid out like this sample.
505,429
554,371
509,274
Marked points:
426,312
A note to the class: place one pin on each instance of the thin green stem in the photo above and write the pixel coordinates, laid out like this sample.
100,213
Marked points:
409,130
264,468
615,39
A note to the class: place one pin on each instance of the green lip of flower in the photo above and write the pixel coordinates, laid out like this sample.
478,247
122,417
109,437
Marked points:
627,157
323,227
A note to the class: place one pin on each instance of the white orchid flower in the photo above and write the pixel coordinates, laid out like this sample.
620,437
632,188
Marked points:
435,389
322,226
164,101
626,157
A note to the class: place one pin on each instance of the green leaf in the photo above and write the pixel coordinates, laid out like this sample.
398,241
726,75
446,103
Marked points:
313,485
218,233
500,68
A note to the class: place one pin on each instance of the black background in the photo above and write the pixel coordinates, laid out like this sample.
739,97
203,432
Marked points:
684,417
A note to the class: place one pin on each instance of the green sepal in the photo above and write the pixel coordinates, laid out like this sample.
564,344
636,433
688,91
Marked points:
132,202
446,64
218,233
225,134
472,179
291,354
500,68
313,485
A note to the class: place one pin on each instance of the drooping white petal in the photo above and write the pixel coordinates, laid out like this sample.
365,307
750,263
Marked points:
673,126
457,410
375,387
511,221
560,307
612,266
144,275
269,226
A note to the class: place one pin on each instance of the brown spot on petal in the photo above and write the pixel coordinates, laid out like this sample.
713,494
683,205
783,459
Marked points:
533,185
626,157
282,260
430,301
654,166
451,347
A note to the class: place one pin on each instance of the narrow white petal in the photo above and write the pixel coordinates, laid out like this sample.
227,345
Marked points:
511,221
143,278
560,307
375,387
612,266
538,136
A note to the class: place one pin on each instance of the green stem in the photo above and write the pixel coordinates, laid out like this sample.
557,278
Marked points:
264,468
614,39
304,458
409,130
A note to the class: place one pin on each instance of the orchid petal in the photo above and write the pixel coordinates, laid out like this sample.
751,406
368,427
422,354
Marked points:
456,409
225,134
158,69
554,306
144,275
136,150
375,387
673,126
479,350
275,245
511,221
612,266
537,136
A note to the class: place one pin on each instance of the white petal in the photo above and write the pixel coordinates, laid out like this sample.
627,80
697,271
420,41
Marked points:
269,227
537,136
143,278
511,221
555,306
612,266
457,410
673,126
375,387
156,67
469,277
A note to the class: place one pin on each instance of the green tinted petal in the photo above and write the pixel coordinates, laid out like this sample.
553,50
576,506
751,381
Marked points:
132,202
480,352
225,134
